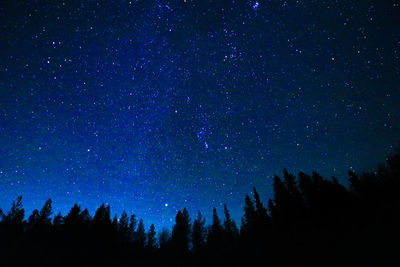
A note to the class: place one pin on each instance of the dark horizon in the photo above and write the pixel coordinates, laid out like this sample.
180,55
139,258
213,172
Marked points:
168,226
310,220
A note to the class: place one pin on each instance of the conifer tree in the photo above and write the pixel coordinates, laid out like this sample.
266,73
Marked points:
73,216
215,234
198,233
151,238
140,235
123,227
164,238
16,215
248,220
102,215
115,223
132,227
33,219
46,212
58,220
181,232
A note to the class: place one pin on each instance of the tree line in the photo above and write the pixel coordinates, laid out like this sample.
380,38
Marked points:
310,220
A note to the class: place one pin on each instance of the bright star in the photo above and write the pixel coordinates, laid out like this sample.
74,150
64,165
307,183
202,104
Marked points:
256,4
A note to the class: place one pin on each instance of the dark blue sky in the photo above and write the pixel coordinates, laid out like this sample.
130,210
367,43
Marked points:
152,106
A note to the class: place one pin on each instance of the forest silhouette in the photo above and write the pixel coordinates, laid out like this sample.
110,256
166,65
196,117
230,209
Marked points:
310,221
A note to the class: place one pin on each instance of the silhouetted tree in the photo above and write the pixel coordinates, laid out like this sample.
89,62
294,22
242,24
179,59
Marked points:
164,238
198,234
124,228
102,215
261,212
132,227
248,221
46,212
181,232
140,235
58,221
215,235
33,219
115,223
151,238
74,215
358,225
286,207
16,215
12,222
230,230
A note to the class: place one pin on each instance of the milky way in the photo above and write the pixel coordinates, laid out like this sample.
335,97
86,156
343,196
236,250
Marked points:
152,106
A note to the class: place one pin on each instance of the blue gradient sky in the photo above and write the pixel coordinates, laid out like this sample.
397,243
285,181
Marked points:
190,103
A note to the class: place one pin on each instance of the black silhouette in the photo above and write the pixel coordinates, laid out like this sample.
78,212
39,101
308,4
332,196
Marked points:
310,221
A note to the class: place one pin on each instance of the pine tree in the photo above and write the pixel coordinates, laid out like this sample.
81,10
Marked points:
230,231
102,215
260,209
216,232
262,218
123,227
58,220
249,217
198,233
164,238
151,238
227,220
115,223
230,227
46,212
33,219
140,235
132,227
181,232
74,215
16,215
85,216
280,205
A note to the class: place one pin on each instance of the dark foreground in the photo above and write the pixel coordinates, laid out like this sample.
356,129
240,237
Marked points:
312,221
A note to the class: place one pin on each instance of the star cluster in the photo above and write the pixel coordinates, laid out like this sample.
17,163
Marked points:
152,105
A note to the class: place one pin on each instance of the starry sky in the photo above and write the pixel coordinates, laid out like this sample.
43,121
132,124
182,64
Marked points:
152,106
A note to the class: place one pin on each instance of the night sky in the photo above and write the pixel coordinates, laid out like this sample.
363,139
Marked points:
152,106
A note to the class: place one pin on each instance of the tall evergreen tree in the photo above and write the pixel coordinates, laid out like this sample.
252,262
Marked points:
115,223
16,215
198,233
33,219
58,221
280,206
151,238
249,216
229,225
123,227
227,220
74,215
181,232
46,212
215,235
230,231
261,215
132,227
85,216
164,238
260,209
102,215
140,235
